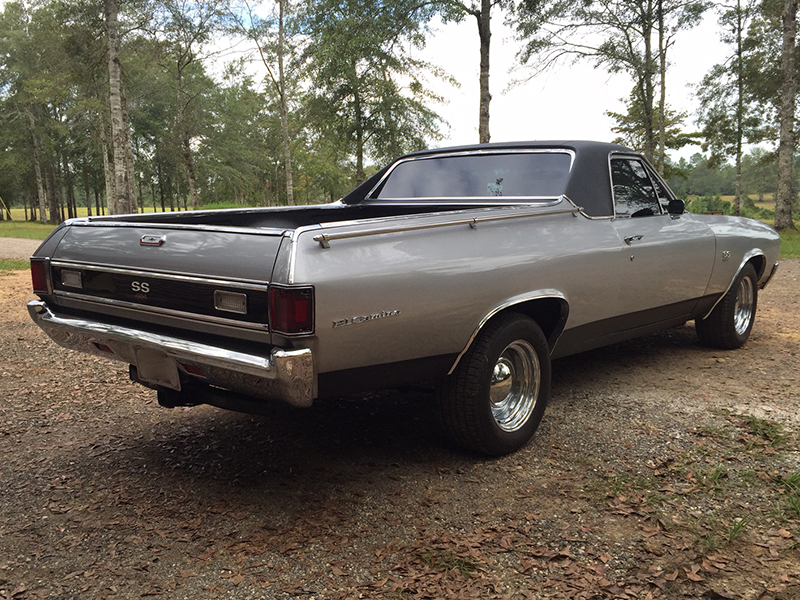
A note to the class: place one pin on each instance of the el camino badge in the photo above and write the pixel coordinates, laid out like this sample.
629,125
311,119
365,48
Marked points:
364,318
152,240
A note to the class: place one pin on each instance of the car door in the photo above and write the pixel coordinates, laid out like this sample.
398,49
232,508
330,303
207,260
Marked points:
666,260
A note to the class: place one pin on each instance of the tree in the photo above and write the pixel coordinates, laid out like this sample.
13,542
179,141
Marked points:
365,88
122,200
632,132
270,37
727,114
630,36
186,27
788,142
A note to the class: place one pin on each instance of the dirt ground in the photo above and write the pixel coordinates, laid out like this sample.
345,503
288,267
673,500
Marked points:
661,470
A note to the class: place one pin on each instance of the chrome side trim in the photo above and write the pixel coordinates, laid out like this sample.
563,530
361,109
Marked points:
246,284
539,295
324,239
751,254
764,283
286,375
88,222
161,311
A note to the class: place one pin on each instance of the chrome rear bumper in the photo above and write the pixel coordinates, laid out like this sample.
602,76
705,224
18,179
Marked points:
285,375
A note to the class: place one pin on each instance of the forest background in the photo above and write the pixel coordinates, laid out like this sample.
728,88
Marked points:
134,105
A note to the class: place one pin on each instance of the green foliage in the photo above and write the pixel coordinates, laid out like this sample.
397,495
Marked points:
709,204
790,243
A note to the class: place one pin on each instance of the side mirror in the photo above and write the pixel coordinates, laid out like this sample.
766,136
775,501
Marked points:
676,207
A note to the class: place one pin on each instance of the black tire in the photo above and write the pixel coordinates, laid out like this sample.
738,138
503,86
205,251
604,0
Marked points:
730,323
498,417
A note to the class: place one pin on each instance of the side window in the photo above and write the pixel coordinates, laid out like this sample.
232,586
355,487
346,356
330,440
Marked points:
661,193
634,194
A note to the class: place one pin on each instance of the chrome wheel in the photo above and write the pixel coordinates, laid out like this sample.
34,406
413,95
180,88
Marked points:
744,306
514,389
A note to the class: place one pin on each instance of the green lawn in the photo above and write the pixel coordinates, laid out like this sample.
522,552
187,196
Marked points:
7,265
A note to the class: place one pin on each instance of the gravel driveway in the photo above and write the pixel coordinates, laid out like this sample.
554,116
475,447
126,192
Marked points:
661,470
17,248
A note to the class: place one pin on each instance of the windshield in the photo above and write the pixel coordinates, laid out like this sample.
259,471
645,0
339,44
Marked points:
520,175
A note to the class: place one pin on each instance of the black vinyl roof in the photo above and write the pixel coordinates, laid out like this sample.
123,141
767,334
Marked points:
589,184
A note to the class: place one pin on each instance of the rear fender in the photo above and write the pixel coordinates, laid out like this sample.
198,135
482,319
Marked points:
549,308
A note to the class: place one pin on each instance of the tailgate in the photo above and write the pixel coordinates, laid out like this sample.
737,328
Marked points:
216,275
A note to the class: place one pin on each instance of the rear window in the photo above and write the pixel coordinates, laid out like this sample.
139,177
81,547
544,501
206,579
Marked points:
521,175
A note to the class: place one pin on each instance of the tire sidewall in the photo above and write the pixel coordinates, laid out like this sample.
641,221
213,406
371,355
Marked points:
499,441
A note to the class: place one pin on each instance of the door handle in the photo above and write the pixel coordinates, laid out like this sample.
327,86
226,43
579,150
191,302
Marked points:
632,238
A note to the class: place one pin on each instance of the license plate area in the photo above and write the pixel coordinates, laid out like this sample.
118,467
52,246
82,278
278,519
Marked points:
157,368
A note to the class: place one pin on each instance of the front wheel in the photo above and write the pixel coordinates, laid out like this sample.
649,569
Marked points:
730,323
495,399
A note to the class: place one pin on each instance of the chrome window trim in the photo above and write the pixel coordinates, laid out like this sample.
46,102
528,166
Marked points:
651,172
161,311
324,239
246,284
369,196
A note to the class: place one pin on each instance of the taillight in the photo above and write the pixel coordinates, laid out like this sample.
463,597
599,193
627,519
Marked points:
291,310
39,275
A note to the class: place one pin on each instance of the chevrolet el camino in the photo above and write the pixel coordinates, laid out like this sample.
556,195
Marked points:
466,268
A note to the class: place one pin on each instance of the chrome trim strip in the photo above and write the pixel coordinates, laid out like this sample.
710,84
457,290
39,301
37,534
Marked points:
541,294
584,214
161,311
324,239
762,285
266,231
751,254
292,371
246,284
474,152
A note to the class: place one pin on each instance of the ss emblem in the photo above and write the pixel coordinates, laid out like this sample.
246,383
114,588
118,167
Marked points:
140,286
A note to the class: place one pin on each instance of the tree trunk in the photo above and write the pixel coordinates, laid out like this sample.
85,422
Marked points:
287,149
130,176
183,128
485,34
783,202
737,198
662,100
37,167
108,171
647,104
359,137
120,201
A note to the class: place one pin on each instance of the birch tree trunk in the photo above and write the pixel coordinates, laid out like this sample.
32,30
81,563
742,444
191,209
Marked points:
119,202
783,201
287,150
485,33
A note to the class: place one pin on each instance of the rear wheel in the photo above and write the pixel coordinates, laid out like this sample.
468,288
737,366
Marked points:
730,323
495,399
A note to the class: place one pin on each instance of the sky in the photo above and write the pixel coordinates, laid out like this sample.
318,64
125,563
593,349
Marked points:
567,102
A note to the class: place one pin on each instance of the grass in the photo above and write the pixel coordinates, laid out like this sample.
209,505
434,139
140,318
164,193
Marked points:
7,265
790,243
25,229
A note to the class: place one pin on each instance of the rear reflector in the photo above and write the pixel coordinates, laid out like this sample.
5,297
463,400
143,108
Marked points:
39,275
291,310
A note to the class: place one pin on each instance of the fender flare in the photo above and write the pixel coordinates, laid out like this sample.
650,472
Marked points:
516,301
748,257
